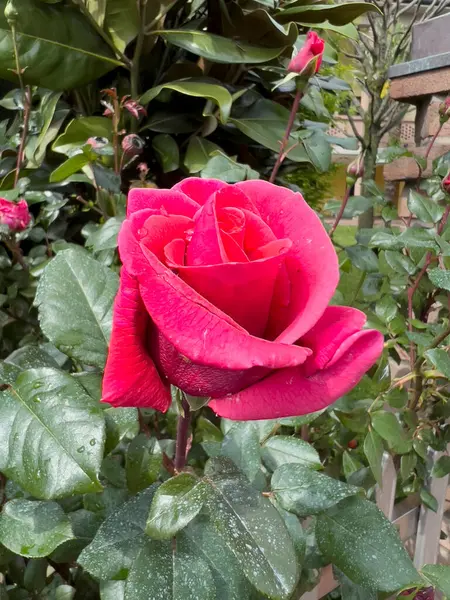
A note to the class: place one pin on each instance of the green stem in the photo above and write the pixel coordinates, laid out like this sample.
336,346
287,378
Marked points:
184,421
135,66
284,141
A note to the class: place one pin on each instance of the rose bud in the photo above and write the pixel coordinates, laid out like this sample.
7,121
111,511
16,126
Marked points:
352,444
14,214
224,292
444,110
135,108
446,183
132,145
309,58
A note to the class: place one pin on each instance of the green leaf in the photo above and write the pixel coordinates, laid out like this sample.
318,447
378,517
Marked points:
363,258
75,53
122,21
318,150
373,449
69,167
143,463
168,571
52,117
413,237
386,309
282,449
53,435
33,529
84,525
265,122
441,467
388,427
112,590
252,529
241,444
429,500
424,208
356,205
217,48
399,262
177,501
438,576
338,14
199,89
35,575
440,359
167,152
78,131
220,166
121,423
119,539
105,237
407,465
440,278
226,570
75,295
65,592
356,537
28,357
198,153
351,591
306,492
385,241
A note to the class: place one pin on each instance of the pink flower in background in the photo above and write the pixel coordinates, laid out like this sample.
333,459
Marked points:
224,292
14,214
311,50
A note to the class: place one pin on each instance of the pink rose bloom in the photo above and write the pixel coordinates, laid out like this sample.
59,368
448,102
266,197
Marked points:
313,47
224,293
14,214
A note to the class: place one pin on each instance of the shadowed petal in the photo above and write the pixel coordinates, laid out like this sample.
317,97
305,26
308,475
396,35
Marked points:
165,201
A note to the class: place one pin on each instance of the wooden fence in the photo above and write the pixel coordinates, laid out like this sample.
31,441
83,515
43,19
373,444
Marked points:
418,526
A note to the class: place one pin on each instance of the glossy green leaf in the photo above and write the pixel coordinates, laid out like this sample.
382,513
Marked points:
356,205
52,118
75,296
439,576
84,525
407,465
429,500
217,48
338,14
265,122
386,241
33,529
35,575
177,501
440,278
167,152
53,435
199,89
69,167
415,237
318,150
241,444
29,357
252,529
399,262
169,571
78,131
198,153
386,309
363,258
119,539
356,537
305,492
105,237
388,427
352,591
441,467
122,21
282,449
424,208
143,463
58,47
373,449
350,464
112,590
440,359
121,423
220,166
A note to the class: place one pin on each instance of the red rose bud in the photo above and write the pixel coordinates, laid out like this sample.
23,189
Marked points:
14,214
309,58
132,145
444,110
135,108
423,594
352,444
446,183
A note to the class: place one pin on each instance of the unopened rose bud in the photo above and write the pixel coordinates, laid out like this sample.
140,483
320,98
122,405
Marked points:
308,59
14,214
444,110
134,108
132,145
355,170
423,594
446,183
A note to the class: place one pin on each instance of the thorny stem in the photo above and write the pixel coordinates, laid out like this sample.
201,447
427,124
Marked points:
26,99
341,211
184,421
284,142
135,66
16,252
115,126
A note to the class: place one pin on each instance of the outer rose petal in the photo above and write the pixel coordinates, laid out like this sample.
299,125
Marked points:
312,264
193,325
289,392
131,378
165,201
199,189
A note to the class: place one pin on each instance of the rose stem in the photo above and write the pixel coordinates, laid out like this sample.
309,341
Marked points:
184,421
287,133
341,210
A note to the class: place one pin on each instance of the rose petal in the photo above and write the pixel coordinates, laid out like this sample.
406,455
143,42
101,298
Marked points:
206,246
289,393
131,378
198,330
312,264
165,201
160,230
199,189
